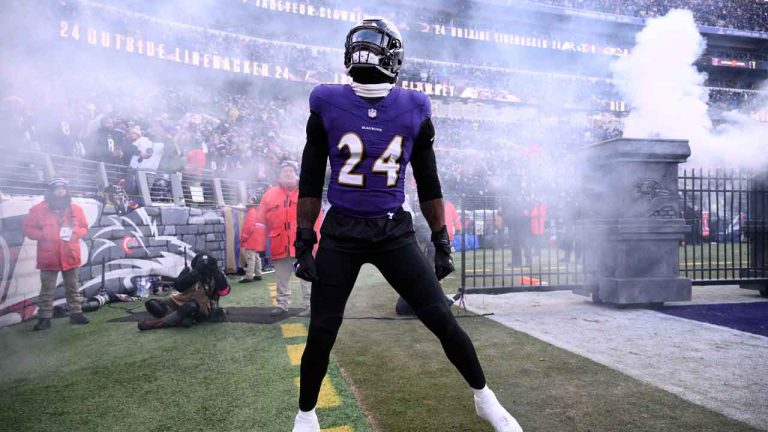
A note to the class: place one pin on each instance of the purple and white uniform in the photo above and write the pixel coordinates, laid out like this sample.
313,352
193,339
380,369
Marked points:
369,146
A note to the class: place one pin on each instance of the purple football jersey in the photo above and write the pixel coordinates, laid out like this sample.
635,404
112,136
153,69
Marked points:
369,146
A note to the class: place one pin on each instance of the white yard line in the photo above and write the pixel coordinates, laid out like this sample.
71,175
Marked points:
722,369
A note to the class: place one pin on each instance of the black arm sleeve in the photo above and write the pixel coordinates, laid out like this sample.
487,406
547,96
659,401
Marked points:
185,280
424,164
314,159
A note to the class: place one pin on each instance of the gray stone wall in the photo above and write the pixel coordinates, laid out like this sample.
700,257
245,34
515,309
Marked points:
147,241
164,230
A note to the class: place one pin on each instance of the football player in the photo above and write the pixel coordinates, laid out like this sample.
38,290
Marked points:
370,131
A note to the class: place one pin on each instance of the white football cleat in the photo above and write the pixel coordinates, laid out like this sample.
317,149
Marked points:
489,409
306,422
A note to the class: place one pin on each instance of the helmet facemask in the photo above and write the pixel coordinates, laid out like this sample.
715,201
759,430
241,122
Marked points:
373,52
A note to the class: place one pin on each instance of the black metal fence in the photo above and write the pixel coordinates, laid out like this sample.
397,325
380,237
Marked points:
515,244
519,243
725,210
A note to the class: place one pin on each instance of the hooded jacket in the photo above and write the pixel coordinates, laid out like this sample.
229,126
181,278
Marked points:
253,235
277,212
44,225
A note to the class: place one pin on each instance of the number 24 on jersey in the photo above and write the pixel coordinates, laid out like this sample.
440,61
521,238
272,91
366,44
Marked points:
388,163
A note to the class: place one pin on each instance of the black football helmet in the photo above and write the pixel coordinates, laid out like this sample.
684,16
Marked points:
375,43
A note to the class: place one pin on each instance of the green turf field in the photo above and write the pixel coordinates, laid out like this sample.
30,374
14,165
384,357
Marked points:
110,377
549,266
408,385
239,377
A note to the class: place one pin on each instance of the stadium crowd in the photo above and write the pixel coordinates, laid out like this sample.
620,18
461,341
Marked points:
487,156
245,132
304,57
247,136
170,130
311,63
737,14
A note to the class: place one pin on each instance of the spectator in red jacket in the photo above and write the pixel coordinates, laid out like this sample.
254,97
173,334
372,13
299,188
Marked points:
196,160
57,225
277,212
252,241
452,220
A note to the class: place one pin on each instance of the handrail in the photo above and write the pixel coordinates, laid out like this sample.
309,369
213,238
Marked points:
27,172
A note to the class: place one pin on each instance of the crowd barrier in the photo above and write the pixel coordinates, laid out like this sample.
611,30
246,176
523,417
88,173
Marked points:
26,172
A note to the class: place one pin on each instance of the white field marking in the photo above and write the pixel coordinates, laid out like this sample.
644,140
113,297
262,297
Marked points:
717,367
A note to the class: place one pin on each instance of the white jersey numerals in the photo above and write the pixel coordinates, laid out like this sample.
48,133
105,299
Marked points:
351,141
388,162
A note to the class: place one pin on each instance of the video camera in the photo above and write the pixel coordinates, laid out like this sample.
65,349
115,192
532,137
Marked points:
204,269
205,265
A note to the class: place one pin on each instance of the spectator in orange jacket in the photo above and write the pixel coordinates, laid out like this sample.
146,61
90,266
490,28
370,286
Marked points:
538,219
252,242
277,212
452,220
57,225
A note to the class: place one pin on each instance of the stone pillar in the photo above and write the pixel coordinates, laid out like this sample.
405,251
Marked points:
144,187
177,189
756,232
218,192
632,223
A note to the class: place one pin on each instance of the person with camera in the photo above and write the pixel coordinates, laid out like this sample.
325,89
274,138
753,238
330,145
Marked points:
57,225
195,297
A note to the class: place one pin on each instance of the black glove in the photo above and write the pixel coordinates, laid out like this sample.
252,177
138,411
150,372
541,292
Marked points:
443,260
305,263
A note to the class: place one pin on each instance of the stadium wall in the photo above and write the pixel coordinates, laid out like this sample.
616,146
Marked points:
150,241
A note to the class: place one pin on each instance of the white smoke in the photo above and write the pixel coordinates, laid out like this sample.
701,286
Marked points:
659,80
669,100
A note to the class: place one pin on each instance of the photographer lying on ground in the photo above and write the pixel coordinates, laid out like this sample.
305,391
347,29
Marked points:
196,296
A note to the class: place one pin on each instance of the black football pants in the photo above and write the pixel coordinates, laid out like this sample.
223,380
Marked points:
413,277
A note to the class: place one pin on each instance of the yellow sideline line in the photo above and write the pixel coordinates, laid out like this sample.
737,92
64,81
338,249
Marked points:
328,397
273,293
293,330
294,353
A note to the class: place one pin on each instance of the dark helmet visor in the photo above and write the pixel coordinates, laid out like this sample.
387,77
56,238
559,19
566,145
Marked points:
372,36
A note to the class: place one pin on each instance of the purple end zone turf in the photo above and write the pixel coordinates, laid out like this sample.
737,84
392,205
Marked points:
746,317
